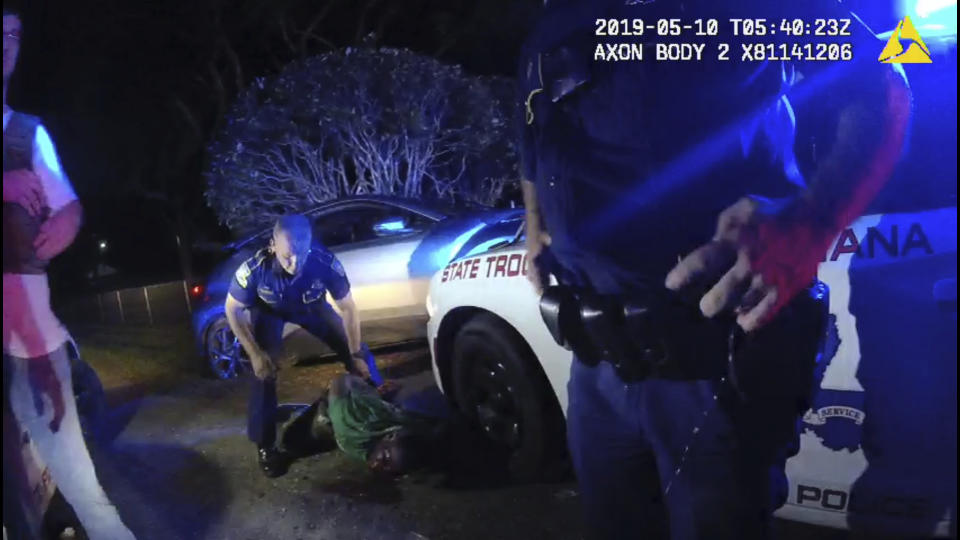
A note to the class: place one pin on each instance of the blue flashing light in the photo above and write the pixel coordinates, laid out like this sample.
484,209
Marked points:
392,226
933,18
443,256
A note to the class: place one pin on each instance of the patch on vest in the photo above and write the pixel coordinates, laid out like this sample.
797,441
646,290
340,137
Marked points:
243,274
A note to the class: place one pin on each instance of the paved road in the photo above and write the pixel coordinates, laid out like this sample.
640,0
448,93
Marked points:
177,463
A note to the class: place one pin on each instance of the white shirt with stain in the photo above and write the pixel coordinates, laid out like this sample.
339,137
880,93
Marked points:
30,328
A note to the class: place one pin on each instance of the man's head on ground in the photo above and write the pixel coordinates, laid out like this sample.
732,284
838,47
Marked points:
291,242
397,452
393,454
12,27
321,429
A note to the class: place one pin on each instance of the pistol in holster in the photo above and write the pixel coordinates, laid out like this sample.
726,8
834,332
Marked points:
666,336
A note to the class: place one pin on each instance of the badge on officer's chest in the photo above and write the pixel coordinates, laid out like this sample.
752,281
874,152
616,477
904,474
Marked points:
268,295
315,292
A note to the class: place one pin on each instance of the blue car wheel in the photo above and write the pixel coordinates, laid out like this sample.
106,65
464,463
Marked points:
225,356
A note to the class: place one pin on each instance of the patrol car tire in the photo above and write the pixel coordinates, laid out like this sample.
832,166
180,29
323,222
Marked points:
487,343
218,333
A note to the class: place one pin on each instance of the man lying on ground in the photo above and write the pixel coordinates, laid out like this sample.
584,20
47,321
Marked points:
369,428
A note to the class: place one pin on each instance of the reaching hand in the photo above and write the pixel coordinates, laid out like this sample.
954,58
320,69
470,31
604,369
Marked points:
56,234
360,364
43,381
535,246
264,367
23,187
762,254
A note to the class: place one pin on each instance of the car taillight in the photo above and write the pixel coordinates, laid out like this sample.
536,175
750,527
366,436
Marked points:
196,291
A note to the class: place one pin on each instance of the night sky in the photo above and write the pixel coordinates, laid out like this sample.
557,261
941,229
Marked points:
133,91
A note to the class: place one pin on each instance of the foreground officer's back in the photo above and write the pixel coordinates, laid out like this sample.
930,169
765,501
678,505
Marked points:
634,160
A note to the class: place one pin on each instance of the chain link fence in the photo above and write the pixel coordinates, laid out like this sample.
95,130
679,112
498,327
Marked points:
163,303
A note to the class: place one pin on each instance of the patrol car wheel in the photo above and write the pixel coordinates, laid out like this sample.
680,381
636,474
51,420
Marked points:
500,389
225,356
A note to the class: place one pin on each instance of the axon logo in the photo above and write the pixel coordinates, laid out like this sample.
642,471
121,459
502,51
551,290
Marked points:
905,46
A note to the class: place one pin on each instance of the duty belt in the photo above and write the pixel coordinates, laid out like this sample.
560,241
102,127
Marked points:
666,336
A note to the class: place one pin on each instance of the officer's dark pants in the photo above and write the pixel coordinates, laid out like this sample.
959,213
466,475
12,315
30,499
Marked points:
324,324
626,441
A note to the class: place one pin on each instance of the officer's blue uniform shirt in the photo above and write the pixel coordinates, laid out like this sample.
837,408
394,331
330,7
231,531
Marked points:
261,281
633,161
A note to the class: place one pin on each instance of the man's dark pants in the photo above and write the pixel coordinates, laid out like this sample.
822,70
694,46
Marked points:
323,323
626,442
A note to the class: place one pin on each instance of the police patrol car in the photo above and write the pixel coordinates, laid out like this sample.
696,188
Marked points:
878,447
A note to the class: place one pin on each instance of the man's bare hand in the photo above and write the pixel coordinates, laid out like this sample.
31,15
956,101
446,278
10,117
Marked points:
360,364
761,256
58,232
44,382
535,245
264,367
23,187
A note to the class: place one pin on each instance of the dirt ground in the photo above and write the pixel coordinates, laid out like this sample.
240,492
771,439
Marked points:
175,460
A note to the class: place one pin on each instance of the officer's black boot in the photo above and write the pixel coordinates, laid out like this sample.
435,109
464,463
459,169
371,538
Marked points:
272,462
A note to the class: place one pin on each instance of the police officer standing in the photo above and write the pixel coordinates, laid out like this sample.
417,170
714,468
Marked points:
288,282
636,182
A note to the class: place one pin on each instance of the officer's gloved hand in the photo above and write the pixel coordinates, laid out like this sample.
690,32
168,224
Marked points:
762,254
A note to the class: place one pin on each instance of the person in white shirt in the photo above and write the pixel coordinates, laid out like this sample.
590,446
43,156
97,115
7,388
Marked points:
41,217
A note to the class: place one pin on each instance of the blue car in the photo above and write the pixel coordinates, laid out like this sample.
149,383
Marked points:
390,249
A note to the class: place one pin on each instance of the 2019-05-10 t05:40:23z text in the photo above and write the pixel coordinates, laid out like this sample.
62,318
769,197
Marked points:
630,36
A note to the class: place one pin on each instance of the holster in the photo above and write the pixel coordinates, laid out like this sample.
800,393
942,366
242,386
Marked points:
666,336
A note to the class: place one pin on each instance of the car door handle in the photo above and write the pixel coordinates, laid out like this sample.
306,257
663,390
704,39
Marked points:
945,293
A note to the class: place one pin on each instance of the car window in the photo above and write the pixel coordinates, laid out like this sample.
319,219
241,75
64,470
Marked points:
368,222
384,221
334,229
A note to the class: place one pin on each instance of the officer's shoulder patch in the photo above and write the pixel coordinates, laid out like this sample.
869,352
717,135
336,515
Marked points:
338,268
243,274
248,266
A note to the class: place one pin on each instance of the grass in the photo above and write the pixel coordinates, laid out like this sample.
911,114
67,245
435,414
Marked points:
138,359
